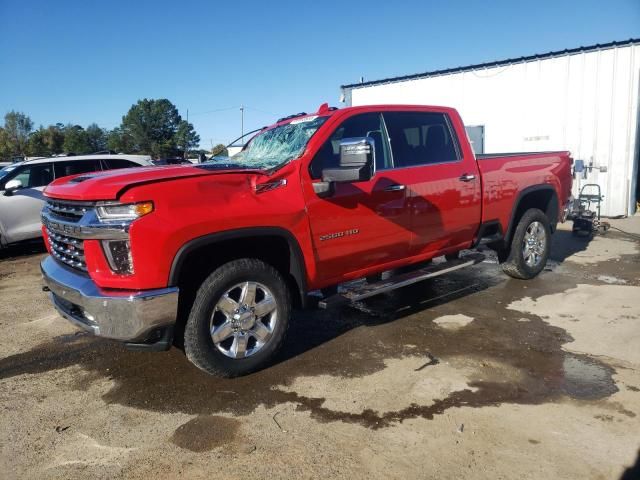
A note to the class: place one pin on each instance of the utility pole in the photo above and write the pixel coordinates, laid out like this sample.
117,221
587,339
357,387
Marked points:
241,121
186,138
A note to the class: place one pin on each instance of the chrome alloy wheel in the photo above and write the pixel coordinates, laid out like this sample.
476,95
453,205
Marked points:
243,320
534,244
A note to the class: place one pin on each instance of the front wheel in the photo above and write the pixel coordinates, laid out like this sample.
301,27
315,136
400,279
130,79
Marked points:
239,318
530,246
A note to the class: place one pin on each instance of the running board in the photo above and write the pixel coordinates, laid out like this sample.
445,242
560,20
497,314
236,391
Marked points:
399,281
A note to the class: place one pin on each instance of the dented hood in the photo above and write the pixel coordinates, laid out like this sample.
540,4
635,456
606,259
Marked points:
109,185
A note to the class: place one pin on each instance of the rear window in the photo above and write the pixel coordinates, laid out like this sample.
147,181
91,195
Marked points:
113,163
420,138
74,167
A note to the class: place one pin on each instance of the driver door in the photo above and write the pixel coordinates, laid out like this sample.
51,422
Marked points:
362,224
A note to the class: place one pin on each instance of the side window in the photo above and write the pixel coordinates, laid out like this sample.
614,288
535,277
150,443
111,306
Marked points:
420,138
364,125
113,163
35,175
74,167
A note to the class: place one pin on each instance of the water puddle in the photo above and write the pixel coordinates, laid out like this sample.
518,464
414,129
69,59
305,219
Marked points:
585,379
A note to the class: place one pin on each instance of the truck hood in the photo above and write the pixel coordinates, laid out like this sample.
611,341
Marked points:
109,185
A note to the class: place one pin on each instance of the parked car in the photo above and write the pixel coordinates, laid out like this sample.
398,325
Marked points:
171,161
21,186
214,257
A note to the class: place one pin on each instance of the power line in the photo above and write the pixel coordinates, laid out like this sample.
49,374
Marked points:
261,111
216,110
235,107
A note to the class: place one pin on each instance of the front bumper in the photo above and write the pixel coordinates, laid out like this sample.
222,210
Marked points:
124,315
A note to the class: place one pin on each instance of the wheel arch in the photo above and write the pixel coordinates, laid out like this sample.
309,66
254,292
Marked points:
266,243
544,197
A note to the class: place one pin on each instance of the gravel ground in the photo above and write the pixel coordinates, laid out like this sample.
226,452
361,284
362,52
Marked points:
473,375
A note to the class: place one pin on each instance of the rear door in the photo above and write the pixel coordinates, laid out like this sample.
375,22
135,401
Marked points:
443,187
20,211
362,224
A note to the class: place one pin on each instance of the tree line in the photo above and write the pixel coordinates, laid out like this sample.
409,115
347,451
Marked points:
150,127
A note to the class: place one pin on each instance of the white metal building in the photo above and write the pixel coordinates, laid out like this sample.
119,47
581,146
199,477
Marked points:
585,100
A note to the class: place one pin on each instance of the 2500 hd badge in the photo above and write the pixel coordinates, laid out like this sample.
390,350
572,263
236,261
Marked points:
331,236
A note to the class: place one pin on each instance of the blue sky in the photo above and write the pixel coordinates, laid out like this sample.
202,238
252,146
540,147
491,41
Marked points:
84,61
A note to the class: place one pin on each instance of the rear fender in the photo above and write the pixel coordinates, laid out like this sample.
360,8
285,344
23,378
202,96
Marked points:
542,196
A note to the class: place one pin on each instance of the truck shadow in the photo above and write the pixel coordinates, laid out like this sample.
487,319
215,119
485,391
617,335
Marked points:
28,247
311,329
564,244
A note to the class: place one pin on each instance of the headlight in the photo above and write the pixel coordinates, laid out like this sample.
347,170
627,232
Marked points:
129,211
118,253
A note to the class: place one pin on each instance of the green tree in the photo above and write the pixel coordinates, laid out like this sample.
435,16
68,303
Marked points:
5,149
54,138
186,137
37,146
15,136
219,150
152,126
45,142
75,140
96,138
119,141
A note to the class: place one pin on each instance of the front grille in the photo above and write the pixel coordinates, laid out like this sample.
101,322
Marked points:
67,250
69,211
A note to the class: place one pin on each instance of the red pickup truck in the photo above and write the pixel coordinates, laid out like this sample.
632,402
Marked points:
214,257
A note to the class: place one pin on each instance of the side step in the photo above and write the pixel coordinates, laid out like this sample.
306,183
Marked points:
399,281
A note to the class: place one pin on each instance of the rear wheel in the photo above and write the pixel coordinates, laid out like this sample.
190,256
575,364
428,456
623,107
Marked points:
239,318
530,246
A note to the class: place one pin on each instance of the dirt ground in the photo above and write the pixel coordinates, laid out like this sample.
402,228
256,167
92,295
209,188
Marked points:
473,375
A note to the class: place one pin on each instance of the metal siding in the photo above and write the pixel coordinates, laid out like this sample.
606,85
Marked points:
585,102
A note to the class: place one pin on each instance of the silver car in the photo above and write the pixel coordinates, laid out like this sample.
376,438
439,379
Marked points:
21,186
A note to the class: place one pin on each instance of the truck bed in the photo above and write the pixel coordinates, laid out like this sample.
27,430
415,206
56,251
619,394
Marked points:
507,176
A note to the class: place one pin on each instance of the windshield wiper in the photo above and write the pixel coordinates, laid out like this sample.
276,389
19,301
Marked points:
229,166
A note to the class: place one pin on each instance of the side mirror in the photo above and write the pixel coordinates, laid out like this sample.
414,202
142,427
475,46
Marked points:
578,166
357,161
11,186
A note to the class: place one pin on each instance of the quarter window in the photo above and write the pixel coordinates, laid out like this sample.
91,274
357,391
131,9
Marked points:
113,163
363,125
420,138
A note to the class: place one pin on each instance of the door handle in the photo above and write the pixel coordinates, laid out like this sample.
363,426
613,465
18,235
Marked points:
466,177
395,188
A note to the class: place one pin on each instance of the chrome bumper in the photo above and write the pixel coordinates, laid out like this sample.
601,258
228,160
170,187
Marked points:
121,315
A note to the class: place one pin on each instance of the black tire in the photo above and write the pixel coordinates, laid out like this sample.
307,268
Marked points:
514,263
199,346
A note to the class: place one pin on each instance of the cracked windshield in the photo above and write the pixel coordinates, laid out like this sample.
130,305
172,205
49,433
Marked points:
276,146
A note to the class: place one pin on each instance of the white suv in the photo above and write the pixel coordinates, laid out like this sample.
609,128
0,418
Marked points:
21,186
